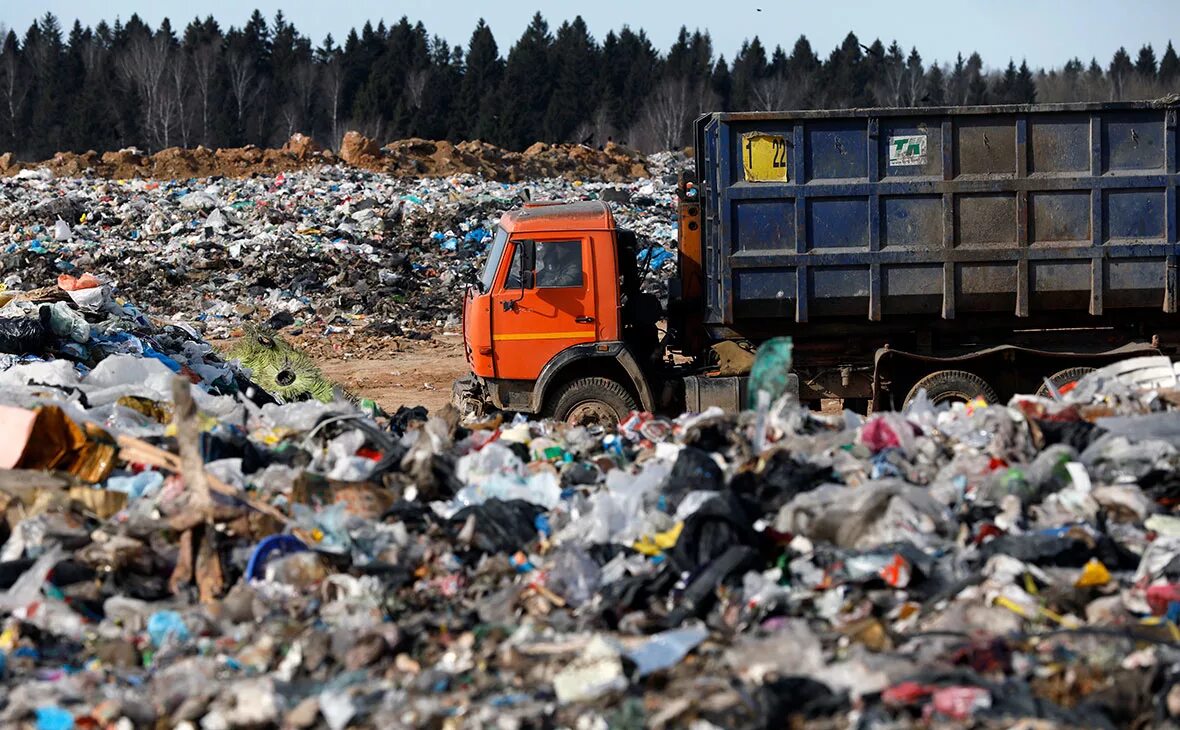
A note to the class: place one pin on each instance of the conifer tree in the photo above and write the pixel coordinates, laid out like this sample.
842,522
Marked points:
575,65
474,116
526,87
1169,67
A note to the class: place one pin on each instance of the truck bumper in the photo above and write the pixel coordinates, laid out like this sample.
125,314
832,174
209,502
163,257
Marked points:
469,395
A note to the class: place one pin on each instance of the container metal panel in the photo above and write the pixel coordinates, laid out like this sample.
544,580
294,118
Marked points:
1134,216
837,150
838,223
985,146
942,212
1059,143
764,225
1133,142
1059,218
913,222
985,220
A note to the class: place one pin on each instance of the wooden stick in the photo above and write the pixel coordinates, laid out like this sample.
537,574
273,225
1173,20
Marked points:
188,439
141,452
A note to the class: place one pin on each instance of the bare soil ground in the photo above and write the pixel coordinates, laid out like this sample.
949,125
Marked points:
393,372
396,371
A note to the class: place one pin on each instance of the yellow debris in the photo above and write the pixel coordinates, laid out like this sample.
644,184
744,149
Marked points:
659,542
1094,573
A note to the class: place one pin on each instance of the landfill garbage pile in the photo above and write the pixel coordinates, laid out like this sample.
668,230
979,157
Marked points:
414,157
178,550
330,249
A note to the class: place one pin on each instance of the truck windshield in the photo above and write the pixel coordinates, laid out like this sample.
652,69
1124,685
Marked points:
499,243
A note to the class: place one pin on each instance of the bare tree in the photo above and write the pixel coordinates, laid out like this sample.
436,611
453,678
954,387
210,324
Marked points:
167,115
888,87
597,129
296,111
14,86
333,83
204,64
416,86
304,81
179,93
244,84
143,63
663,123
262,110
914,81
666,112
782,91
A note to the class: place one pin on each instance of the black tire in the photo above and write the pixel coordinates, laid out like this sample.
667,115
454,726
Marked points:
591,400
1062,378
950,386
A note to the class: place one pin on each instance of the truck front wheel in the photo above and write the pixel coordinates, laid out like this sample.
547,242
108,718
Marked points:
591,400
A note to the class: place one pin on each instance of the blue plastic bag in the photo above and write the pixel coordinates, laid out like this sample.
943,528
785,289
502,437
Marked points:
163,626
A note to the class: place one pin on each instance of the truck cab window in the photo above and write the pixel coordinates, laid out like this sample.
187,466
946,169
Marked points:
559,265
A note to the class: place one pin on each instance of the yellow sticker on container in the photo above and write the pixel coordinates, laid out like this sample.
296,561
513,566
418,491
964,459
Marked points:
764,157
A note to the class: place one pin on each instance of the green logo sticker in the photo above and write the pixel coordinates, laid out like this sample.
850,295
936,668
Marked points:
907,150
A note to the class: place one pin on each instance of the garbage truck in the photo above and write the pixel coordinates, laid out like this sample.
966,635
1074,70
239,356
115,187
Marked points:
967,252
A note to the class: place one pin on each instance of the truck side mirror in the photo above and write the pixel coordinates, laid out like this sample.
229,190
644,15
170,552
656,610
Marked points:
528,264
526,275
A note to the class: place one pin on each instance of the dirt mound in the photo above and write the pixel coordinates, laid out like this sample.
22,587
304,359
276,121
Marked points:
408,157
357,149
302,146
429,158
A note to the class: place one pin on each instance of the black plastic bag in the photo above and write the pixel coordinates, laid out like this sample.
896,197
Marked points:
781,480
500,527
784,699
23,336
719,524
694,470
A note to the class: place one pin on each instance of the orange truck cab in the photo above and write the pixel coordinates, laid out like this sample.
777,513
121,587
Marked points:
557,324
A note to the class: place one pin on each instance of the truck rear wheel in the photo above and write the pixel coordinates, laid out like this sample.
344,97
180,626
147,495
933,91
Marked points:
1064,380
591,400
953,386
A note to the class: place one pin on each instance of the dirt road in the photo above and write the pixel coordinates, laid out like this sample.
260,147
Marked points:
410,373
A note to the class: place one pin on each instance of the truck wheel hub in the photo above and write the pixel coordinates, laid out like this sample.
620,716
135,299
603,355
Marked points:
591,411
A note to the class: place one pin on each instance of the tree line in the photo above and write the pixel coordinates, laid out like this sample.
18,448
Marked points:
127,84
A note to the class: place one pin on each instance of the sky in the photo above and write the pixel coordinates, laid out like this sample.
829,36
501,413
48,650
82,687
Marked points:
1045,32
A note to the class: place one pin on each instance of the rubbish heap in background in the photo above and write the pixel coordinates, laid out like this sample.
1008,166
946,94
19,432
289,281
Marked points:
180,550
330,249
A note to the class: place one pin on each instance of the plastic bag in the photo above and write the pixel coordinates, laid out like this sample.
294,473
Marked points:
574,576
27,587
667,648
65,322
771,367
22,335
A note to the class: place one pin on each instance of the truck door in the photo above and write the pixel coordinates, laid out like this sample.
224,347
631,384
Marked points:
534,320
